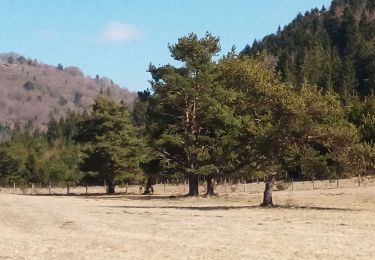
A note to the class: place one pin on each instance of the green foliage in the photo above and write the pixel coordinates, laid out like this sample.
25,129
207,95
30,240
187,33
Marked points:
12,161
39,157
151,164
331,49
236,117
367,127
362,158
111,143
284,126
362,114
179,109
63,164
64,129
21,158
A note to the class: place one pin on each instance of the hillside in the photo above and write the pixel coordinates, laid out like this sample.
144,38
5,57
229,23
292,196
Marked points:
32,92
333,48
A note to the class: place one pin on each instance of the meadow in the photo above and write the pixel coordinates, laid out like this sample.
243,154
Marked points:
325,222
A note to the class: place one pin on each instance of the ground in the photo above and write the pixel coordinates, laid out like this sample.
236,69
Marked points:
325,222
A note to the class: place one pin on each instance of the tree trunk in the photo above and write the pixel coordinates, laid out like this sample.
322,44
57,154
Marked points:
110,187
210,185
267,195
67,188
193,185
149,189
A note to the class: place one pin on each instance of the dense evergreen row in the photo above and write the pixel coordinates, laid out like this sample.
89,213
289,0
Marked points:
32,156
333,48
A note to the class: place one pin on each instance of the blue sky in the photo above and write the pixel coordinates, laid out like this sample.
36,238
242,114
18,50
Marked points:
119,38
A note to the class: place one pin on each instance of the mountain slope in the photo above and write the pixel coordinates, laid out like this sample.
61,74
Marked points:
333,48
30,92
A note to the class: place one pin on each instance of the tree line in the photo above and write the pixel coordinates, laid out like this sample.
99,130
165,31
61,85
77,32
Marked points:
331,48
217,117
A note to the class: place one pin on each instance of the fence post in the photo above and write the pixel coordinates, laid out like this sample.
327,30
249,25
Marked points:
49,188
292,184
87,187
32,188
14,187
337,182
225,184
126,191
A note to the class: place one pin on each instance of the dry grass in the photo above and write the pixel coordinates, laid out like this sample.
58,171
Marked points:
325,223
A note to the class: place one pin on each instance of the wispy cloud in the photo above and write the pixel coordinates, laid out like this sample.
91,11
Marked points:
118,32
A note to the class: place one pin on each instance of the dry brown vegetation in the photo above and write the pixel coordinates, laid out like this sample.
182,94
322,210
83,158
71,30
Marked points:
30,91
325,222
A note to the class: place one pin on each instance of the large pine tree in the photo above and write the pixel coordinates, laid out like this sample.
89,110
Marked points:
180,118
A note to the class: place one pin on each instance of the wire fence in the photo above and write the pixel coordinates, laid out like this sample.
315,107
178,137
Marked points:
180,187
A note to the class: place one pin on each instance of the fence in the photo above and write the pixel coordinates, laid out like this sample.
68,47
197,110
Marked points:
180,186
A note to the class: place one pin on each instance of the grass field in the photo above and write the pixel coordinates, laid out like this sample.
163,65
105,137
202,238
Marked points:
325,222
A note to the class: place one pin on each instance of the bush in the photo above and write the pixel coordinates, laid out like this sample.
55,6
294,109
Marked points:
29,86
282,185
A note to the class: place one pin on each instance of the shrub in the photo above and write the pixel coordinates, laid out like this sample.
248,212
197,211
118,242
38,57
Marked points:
282,185
29,86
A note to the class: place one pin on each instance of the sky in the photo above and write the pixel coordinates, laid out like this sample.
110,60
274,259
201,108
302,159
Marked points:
120,38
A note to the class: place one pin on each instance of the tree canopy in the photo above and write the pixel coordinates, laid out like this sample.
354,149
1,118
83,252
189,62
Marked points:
111,144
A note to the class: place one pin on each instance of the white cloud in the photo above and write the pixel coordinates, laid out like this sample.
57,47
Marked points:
118,32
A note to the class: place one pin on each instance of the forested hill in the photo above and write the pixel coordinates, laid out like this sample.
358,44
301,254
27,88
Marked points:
333,48
32,92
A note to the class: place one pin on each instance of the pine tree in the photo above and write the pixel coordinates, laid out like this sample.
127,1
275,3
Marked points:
282,126
180,108
111,143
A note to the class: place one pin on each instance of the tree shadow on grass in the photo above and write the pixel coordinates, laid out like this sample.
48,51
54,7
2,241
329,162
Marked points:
73,195
202,208
118,195
142,197
218,207
317,208
135,196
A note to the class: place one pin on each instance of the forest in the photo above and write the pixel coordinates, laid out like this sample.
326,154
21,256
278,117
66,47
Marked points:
297,104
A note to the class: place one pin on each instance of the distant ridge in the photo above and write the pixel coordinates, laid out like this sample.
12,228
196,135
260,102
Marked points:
31,92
